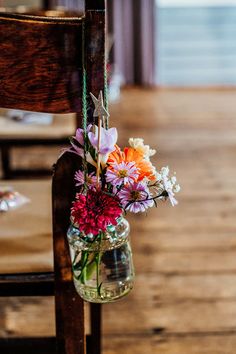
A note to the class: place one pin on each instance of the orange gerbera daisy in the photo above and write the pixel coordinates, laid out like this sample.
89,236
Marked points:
145,168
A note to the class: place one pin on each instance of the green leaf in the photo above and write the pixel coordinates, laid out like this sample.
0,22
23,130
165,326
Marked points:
99,290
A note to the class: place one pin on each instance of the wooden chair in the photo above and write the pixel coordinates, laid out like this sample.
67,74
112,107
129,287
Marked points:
15,134
41,70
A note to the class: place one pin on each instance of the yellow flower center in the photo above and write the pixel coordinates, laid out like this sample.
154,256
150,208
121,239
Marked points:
122,173
135,195
89,180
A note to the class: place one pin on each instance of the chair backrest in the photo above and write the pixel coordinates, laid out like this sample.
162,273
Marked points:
41,59
41,70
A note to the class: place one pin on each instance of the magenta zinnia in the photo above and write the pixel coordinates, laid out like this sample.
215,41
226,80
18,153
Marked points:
95,211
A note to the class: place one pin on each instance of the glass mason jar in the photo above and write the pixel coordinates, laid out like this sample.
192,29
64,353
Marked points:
102,266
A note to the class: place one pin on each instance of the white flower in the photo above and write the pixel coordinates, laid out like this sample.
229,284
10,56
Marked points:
169,189
165,171
158,177
176,188
138,144
166,183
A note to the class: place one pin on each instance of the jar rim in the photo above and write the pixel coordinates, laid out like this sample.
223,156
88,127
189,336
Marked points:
108,240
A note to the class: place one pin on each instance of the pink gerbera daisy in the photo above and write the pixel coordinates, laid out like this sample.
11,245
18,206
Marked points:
136,197
95,211
122,173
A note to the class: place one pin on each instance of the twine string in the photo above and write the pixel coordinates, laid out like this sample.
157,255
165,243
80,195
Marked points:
84,98
106,92
84,84
84,104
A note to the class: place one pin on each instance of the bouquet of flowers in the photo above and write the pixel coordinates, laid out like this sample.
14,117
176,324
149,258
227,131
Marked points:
115,180
111,182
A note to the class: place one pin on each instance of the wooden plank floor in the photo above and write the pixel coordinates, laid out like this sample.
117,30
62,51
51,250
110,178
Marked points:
184,301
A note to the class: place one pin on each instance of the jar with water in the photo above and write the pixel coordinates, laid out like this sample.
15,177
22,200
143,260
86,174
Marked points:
102,265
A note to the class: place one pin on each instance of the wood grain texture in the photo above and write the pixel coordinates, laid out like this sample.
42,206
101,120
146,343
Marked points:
162,344
40,63
70,327
62,127
32,241
184,300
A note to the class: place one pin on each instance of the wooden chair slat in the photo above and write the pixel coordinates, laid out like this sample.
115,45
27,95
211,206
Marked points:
28,345
40,68
27,284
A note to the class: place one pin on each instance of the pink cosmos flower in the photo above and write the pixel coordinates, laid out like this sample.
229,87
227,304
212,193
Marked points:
136,197
122,173
95,211
91,179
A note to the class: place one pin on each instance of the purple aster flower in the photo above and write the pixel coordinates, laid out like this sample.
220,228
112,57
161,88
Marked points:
122,173
91,179
136,197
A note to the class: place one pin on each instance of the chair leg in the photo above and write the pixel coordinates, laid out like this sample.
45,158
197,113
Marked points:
96,332
46,4
5,157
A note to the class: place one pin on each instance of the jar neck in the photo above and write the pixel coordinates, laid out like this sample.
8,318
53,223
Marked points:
113,237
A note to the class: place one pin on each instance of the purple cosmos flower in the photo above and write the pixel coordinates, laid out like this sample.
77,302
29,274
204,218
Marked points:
91,179
76,149
122,173
136,197
108,140
77,141
79,136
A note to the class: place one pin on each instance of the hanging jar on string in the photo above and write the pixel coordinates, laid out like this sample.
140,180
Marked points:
102,265
110,183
